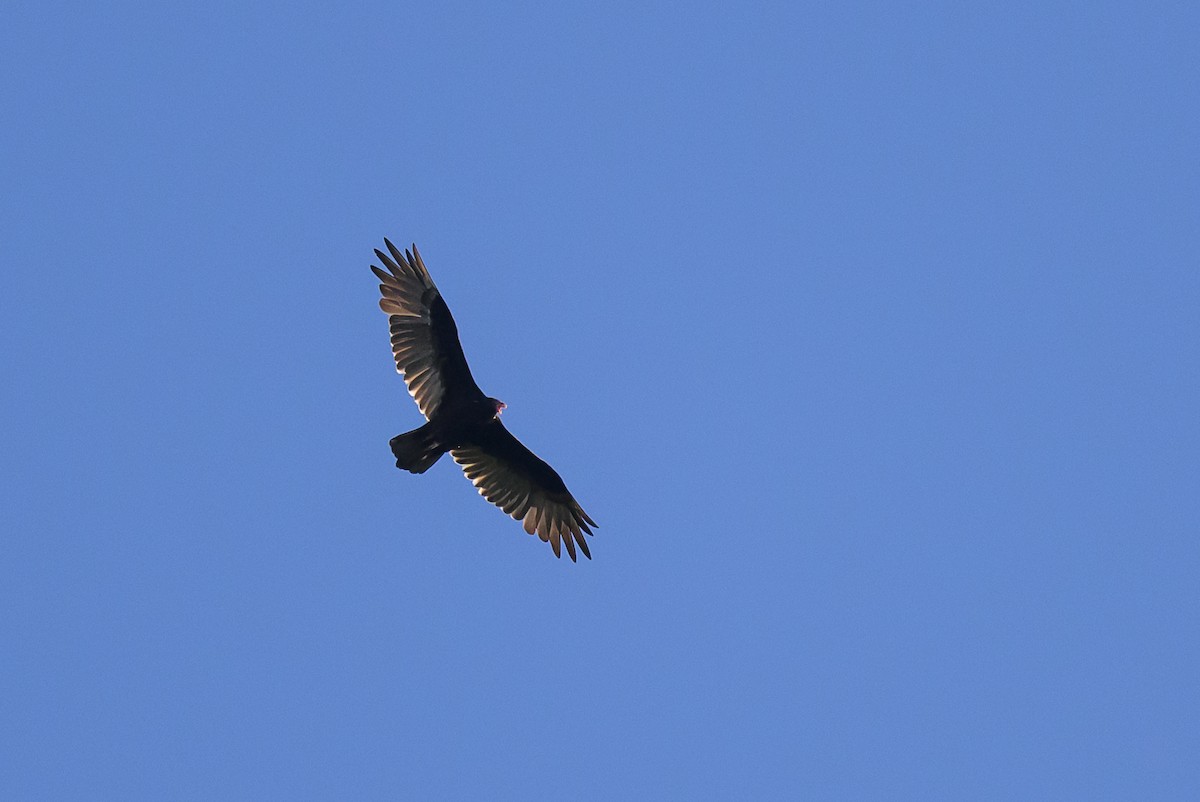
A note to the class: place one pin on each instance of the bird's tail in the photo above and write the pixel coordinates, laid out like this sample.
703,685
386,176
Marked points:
417,450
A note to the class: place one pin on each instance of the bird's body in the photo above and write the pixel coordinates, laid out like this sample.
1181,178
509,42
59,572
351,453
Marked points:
461,419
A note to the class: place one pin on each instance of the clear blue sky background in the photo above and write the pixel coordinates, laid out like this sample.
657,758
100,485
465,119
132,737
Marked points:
867,333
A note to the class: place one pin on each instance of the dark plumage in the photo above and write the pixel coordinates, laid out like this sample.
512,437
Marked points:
461,419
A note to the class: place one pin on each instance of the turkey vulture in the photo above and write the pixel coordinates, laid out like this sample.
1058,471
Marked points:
461,419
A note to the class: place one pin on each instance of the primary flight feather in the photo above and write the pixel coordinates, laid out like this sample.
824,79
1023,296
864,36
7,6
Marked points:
460,418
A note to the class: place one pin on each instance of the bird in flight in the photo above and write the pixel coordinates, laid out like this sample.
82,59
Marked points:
460,418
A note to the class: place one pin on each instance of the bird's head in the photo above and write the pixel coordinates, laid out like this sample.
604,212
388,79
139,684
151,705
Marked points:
500,405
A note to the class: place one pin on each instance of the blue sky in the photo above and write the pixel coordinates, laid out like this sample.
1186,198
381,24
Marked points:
867,333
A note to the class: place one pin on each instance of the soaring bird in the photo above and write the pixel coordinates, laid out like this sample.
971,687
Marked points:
460,418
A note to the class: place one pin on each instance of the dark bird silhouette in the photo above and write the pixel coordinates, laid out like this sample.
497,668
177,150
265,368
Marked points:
461,419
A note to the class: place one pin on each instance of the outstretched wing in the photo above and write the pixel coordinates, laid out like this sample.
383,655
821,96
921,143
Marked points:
424,337
512,477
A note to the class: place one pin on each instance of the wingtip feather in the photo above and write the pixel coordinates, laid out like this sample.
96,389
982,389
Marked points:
566,539
583,546
395,252
388,263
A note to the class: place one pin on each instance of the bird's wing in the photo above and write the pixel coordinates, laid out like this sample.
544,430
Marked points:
512,477
424,337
